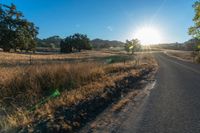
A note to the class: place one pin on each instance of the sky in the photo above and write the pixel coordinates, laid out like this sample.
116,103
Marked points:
109,19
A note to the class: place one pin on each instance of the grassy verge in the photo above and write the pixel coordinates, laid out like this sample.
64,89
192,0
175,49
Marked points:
182,55
86,89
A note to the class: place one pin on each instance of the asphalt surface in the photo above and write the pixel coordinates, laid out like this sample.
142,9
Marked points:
173,106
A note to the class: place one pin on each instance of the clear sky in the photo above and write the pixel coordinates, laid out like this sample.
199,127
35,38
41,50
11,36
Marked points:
108,19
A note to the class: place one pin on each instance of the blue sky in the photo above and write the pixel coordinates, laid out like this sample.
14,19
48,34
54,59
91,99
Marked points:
108,19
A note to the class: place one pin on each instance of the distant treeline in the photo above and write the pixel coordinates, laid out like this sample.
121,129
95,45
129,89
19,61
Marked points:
54,42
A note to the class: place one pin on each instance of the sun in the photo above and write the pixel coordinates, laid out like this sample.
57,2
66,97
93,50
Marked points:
148,35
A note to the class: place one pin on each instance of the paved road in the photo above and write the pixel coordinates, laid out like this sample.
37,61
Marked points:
174,104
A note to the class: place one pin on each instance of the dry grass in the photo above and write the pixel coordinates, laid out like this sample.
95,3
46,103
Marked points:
36,82
183,55
23,86
189,56
15,58
123,102
120,105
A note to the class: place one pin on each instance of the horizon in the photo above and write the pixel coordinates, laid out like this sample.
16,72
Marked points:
126,66
110,20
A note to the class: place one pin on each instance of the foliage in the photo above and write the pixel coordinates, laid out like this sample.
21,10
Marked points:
132,45
196,54
195,30
15,31
75,42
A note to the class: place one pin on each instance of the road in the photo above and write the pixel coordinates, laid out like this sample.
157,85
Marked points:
173,106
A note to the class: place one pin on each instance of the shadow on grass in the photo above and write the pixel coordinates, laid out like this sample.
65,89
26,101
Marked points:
79,114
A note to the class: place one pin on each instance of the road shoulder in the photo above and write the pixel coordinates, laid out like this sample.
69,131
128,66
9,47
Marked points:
114,118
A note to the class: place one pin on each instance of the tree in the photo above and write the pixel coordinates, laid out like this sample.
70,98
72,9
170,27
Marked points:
195,30
15,31
66,45
75,42
132,45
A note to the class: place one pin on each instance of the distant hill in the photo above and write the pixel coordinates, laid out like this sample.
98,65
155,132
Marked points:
50,42
191,44
173,46
54,42
188,45
99,43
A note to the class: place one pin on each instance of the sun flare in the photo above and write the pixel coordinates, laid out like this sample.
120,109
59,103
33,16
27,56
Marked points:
148,35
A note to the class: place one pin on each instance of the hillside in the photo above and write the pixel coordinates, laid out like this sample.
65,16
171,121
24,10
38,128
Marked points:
50,42
54,42
191,44
99,43
188,45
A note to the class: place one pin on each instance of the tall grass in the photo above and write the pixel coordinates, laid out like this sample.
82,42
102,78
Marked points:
31,83
23,87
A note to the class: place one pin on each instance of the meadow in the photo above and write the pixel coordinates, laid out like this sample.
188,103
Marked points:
81,79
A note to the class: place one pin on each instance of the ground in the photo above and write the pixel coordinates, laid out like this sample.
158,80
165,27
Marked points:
89,82
171,105
102,91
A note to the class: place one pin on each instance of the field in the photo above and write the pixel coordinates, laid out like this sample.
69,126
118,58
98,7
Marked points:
51,88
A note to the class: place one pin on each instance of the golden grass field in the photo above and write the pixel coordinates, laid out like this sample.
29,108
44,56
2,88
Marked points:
78,76
17,58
